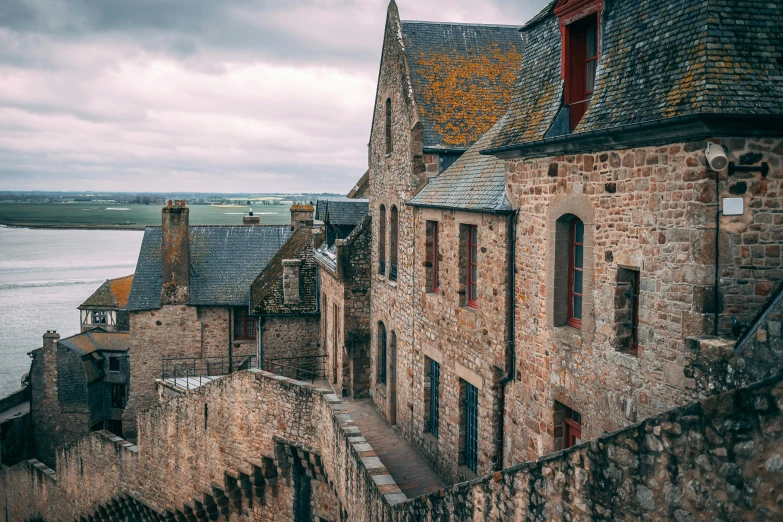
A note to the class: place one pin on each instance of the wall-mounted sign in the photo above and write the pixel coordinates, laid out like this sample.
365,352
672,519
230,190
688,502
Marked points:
733,206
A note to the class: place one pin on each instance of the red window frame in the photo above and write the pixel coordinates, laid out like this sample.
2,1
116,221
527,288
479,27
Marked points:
575,17
572,428
576,322
243,325
472,262
435,282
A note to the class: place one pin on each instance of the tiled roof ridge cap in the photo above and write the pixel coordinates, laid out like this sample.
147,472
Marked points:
461,24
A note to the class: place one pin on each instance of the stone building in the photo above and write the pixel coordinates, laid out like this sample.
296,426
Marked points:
440,87
189,303
284,298
106,306
77,385
593,199
344,273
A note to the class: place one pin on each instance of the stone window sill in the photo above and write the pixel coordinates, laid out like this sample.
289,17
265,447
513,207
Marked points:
392,284
468,308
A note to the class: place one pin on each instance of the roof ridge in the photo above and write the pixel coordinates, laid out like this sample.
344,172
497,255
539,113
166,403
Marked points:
464,24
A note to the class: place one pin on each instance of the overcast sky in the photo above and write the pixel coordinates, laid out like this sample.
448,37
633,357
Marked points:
198,95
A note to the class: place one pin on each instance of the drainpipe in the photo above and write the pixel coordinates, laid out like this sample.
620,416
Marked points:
510,344
716,296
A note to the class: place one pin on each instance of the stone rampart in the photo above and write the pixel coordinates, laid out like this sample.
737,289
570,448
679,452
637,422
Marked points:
721,458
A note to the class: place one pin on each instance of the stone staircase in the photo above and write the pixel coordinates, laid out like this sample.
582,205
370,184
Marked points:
241,490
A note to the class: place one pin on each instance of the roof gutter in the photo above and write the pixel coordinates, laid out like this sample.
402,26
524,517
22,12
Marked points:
461,209
444,150
680,128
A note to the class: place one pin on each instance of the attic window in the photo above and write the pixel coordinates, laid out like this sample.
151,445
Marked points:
580,28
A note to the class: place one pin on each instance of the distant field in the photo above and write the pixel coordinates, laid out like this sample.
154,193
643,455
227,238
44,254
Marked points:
101,215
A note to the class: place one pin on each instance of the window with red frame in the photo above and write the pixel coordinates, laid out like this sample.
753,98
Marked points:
244,327
576,273
572,428
580,27
471,285
432,261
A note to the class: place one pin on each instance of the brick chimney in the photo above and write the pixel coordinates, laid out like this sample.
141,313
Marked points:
250,219
291,269
302,216
175,253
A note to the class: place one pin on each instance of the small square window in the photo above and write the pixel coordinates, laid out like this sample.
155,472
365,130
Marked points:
114,364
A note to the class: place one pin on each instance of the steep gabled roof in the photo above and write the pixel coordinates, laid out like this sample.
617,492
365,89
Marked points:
474,182
706,61
97,339
461,76
224,261
266,295
361,188
111,294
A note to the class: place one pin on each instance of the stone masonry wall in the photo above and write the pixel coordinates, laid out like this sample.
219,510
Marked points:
469,343
721,459
290,336
651,209
394,178
333,297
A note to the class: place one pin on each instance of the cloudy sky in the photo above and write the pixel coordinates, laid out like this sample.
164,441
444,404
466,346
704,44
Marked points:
198,95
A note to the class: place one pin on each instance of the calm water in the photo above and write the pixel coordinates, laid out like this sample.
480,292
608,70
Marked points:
44,276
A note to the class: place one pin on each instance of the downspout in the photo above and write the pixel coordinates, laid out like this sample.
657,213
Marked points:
717,253
510,344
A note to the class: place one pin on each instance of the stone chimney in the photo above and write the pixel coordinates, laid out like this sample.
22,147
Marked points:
50,340
291,269
175,253
250,219
302,216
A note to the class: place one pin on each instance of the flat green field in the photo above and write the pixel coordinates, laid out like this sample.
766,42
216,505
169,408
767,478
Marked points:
102,215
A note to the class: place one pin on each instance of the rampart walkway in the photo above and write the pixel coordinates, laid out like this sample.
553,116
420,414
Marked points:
411,472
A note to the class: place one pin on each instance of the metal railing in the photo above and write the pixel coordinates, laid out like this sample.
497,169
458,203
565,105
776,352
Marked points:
303,368
197,371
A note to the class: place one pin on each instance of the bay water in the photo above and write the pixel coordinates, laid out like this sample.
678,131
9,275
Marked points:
44,275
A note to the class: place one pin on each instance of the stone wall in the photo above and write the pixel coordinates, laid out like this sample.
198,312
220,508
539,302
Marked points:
172,331
721,458
289,336
651,209
468,342
345,288
394,179
721,364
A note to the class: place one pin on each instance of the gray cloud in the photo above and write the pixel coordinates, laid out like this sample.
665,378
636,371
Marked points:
200,94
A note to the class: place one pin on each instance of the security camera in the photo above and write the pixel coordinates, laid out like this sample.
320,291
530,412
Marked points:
716,157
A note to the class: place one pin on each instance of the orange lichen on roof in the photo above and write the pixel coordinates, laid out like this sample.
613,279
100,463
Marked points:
121,288
306,207
466,94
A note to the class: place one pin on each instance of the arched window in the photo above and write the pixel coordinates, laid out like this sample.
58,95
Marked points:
575,272
388,126
393,244
382,240
381,352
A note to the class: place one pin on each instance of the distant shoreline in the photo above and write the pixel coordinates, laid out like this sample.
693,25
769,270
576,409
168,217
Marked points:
72,226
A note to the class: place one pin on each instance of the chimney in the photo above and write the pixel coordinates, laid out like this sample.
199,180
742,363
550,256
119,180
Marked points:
291,268
250,219
302,216
175,253
50,339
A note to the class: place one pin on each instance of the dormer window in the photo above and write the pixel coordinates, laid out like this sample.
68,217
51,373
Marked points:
580,28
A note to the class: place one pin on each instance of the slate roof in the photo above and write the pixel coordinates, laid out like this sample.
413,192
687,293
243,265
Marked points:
97,339
348,212
361,188
461,76
111,294
224,261
660,59
474,182
266,295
